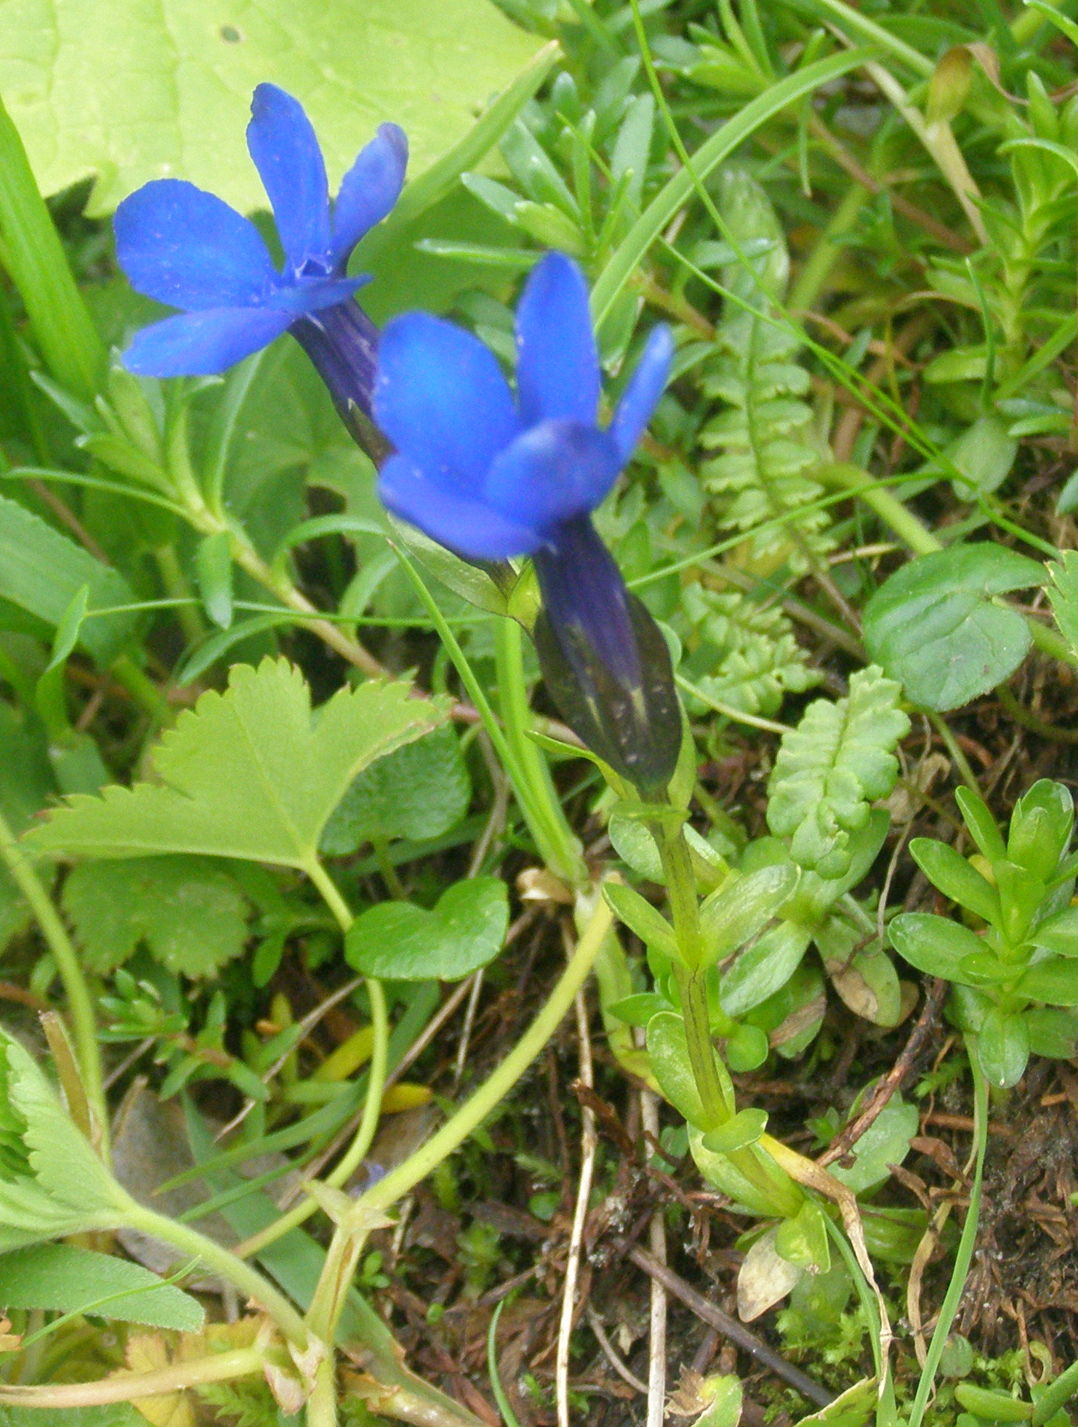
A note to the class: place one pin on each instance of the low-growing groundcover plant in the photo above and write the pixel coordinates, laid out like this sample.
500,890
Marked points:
537,818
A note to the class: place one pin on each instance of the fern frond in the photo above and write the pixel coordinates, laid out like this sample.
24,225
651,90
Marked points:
743,654
832,766
761,481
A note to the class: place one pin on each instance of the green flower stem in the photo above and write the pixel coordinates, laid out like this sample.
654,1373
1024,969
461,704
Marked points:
490,1094
227,1265
557,847
79,1000
921,541
125,1387
563,847
377,1068
199,515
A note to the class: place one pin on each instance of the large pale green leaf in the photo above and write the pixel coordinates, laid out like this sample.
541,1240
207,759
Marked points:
249,773
152,90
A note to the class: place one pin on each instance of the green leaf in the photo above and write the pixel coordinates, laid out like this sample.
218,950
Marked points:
1054,981
35,259
934,944
956,878
403,942
885,1142
742,1129
188,912
1058,934
830,768
176,88
863,975
763,968
743,906
42,573
980,823
419,792
935,624
249,773
855,1407
51,1182
116,1414
1002,1043
1063,594
74,1280
213,566
668,1052
1052,1032
642,918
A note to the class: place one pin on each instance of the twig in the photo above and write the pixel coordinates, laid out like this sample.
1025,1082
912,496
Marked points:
886,1087
595,1323
729,1327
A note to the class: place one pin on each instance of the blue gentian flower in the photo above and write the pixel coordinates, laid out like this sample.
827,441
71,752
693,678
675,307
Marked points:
186,247
491,476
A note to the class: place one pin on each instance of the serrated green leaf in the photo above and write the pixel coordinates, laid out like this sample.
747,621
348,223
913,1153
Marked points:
51,1182
420,791
935,624
171,92
250,773
831,767
43,572
401,941
75,1280
1063,594
187,911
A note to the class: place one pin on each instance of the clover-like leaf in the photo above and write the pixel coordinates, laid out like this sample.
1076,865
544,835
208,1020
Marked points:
251,773
935,624
831,767
409,943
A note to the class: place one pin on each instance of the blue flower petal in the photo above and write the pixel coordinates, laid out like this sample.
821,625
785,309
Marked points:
202,343
369,190
313,294
285,151
555,472
455,520
557,363
641,395
441,399
183,246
